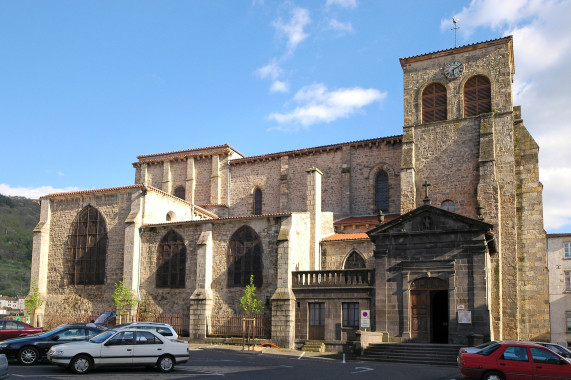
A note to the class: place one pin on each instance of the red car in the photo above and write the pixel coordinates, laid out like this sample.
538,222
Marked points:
15,329
514,361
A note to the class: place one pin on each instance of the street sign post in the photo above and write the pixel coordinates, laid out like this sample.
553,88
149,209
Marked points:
365,319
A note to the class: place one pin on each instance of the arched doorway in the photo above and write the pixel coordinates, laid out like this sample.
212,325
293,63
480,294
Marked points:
429,310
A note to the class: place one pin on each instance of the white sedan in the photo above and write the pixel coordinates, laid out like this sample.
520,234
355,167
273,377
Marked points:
119,348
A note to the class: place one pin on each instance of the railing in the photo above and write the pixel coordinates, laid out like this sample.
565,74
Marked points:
234,325
180,322
339,278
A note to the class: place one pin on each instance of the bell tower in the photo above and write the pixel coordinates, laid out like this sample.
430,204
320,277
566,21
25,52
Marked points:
463,135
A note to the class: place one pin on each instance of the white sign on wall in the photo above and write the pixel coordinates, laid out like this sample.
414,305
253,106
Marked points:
365,319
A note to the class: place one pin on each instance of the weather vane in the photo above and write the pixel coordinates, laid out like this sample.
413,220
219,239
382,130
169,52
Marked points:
456,27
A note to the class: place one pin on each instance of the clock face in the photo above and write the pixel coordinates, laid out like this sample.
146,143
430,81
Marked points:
453,70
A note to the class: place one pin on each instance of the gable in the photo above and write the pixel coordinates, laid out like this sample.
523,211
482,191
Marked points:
429,219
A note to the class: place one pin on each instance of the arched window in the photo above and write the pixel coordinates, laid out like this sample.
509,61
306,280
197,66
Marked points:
434,107
258,201
448,205
354,261
171,216
245,258
180,192
382,191
88,248
477,96
171,261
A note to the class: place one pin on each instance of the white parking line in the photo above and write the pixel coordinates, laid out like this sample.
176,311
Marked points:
300,356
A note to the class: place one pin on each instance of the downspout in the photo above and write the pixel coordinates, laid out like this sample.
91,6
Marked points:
229,186
141,230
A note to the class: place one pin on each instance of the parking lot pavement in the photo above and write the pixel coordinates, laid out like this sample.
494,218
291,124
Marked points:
208,360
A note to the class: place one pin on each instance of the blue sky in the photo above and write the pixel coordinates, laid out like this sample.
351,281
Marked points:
86,86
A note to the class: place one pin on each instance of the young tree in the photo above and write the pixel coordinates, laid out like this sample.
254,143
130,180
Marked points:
123,298
33,301
250,302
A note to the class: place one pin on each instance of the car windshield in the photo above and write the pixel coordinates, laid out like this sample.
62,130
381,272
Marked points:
484,345
51,332
102,337
488,350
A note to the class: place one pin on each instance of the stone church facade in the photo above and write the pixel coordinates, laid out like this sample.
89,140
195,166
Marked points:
438,232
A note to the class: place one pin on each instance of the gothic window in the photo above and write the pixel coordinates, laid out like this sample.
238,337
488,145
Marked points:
477,96
88,248
179,192
258,201
244,258
382,192
448,205
434,107
171,261
354,261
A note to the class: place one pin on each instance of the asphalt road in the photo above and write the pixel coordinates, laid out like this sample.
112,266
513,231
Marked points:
214,361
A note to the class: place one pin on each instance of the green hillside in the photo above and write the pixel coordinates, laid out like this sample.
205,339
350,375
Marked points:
18,217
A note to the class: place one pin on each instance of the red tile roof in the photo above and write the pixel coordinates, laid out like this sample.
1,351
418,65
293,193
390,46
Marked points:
340,237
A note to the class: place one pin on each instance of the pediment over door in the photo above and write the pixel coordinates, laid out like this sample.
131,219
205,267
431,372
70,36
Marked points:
427,219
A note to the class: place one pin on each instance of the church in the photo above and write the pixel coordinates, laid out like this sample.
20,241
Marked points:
434,236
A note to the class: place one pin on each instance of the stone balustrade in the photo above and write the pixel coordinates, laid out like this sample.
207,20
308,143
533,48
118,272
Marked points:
340,278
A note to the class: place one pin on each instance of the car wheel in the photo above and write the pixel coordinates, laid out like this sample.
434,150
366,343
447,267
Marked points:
28,356
81,364
493,375
165,363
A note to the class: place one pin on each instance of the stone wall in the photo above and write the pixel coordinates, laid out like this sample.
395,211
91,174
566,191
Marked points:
61,297
559,298
334,253
347,183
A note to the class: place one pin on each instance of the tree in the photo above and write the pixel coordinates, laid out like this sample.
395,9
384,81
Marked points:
33,301
123,298
250,302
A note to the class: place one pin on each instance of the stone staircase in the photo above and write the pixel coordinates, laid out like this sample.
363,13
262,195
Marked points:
313,346
418,353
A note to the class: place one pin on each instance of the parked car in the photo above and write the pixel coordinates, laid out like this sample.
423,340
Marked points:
162,328
3,367
126,346
476,348
514,360
105,318
13,329
30,349
558,349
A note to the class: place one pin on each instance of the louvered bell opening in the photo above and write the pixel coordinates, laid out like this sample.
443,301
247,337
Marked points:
434,103
477,96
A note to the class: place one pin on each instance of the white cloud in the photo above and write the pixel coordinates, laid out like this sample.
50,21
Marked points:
542,49
339,26
294,29
32,192
342,3
272,70
318,105
279,86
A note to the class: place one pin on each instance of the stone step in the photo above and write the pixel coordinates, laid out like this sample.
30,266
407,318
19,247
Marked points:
432,354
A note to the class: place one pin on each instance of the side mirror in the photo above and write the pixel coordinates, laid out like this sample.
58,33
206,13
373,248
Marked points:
110,343
55,338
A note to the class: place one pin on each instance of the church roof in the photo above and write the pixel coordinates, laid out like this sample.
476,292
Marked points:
301,152
460,49
341,237
130,187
